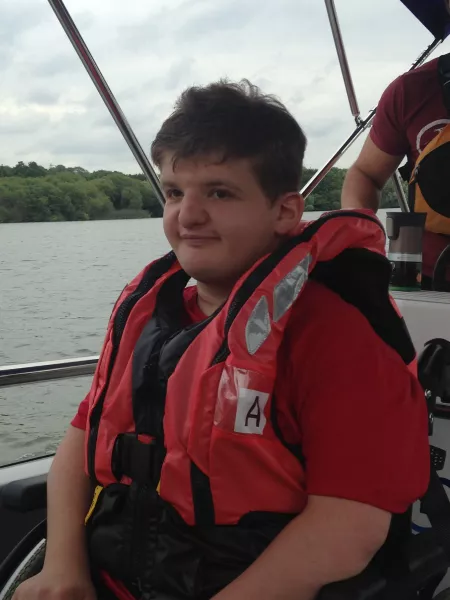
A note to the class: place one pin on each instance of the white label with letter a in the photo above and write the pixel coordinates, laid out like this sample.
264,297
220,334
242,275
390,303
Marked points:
250,416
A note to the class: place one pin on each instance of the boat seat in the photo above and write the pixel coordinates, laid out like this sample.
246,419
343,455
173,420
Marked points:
25,494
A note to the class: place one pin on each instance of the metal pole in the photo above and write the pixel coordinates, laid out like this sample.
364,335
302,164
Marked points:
340,49
47,371
322,172
103,89
425,54
397,181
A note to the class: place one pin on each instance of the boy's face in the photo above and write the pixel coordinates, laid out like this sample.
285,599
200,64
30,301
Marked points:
218,220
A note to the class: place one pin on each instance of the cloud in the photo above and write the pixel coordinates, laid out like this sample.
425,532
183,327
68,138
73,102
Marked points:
218,20
18,17
151,51
55,65
42,96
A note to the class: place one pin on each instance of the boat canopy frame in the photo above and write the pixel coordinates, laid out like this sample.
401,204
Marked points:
416,7
435,16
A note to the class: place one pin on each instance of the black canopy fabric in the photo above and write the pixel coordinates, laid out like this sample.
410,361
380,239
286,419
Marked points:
433,14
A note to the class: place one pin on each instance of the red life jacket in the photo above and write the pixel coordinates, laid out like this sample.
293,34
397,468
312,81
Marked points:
191,409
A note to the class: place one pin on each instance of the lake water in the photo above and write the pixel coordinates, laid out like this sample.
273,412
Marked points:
58,284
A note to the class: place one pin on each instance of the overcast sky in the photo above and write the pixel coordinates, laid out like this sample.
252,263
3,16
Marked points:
150,50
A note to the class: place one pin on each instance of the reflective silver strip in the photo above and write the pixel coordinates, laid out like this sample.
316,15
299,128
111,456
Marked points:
288,289
258,326
404,257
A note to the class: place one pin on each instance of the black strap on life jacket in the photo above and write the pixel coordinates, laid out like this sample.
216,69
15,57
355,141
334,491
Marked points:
406,171
151,276
163,341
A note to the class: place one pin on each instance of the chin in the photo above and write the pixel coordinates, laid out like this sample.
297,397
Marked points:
199,273
212,269
202,272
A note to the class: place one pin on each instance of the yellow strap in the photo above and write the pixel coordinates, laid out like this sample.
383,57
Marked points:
95,497
98,490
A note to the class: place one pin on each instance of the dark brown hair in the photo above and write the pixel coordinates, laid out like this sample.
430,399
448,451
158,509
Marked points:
235,120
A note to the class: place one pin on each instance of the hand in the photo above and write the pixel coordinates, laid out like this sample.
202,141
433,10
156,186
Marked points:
61,584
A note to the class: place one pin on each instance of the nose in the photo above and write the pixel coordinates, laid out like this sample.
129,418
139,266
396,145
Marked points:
193,211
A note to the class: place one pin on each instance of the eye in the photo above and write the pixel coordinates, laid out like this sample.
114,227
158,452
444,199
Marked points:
221,194
173,194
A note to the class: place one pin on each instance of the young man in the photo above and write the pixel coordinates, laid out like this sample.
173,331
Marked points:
250,436
410,115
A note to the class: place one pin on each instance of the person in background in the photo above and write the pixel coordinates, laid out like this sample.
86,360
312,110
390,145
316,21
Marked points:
412,120
248,437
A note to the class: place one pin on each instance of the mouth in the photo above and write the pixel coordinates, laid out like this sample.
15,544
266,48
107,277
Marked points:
198,240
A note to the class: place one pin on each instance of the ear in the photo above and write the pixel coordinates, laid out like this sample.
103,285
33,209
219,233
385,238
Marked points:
290,209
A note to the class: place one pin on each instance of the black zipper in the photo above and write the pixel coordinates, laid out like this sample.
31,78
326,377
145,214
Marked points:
144,540
138,539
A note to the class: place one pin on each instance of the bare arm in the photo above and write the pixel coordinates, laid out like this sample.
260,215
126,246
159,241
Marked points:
68,492
367,176
333,539
66,572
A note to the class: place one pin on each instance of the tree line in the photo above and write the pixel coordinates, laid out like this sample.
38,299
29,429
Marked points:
327,195
30,192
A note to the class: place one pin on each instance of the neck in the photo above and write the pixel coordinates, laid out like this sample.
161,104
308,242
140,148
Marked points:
211,297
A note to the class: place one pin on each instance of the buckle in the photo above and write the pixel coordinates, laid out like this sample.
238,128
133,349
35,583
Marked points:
135,457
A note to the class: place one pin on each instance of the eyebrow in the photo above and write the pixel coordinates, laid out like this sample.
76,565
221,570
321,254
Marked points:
222,183
167,184
208,184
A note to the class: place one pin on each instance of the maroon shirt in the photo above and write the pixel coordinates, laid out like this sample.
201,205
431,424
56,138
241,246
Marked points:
410,114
